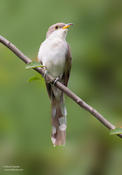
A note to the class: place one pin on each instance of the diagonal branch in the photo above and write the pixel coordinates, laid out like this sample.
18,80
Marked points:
59,85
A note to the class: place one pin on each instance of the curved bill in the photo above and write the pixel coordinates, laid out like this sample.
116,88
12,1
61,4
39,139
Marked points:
67,26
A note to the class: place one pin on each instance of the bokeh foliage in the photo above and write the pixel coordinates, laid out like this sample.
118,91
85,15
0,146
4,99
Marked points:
96,44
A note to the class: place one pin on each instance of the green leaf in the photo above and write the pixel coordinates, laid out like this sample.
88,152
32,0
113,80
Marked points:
33,64
116,131
34,78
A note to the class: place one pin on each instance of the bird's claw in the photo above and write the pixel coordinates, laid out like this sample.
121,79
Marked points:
45,73
55,80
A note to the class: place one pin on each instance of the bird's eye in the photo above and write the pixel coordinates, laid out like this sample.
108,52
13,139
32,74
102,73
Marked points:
56,27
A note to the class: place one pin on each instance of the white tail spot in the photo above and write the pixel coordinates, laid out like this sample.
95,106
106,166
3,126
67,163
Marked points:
62,127
53,140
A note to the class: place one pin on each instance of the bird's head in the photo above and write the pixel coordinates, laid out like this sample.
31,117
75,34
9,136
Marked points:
58,29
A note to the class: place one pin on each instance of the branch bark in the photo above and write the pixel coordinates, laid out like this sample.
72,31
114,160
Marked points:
59,85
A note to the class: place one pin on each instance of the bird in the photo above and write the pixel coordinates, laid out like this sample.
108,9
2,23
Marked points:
54,54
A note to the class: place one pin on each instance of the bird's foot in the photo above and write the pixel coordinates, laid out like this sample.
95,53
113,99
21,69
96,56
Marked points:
45,73
55,80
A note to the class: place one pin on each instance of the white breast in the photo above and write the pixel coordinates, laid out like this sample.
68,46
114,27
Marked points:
52,54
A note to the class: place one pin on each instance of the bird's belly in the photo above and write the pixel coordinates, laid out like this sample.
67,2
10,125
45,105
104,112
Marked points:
55,64
53,57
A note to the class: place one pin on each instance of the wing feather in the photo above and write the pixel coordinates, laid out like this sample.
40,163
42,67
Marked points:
67,69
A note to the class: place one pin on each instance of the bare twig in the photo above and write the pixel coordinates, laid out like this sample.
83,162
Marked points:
59,85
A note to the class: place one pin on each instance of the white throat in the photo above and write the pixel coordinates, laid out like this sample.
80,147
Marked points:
60,33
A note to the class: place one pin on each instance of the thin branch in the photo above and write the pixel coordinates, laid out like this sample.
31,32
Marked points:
59,85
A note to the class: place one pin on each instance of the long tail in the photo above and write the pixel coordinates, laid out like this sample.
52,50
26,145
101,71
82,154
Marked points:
59,113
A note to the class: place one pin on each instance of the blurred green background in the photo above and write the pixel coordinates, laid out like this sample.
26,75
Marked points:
96,45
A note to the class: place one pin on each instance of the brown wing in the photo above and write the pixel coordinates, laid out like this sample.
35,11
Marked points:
67,70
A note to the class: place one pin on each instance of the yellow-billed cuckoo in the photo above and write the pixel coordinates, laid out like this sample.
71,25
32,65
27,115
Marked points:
54,54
